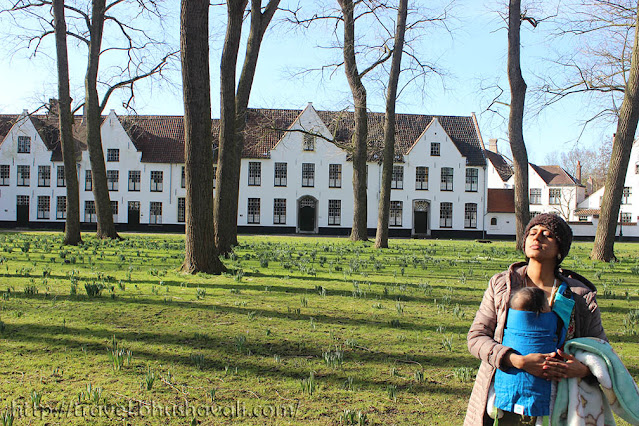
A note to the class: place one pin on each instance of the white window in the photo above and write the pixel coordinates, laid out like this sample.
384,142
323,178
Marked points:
183,178
88,180
309,142
44,175
5,175
472,180
535,195
395,217
583,218
24,144
113,177
334,175
470,215
255,173
44,206
156,182
62,182
434,149
625,195
421,177
24,175
155,213
89,211
397,178
114,211
493,221
554,196
253,211
61,208
447,179
334,212
446,215
308,174
280,174
23,200
626,217
113,155
134,180
279,211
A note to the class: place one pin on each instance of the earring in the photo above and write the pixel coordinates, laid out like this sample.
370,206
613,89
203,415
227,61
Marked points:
559,257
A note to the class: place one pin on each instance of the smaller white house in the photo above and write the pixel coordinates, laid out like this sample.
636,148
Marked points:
588,209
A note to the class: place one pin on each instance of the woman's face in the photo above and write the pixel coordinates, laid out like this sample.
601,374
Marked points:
541,245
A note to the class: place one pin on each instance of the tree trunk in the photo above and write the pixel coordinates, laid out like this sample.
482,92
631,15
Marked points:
515,121
259,23
200,253
381,239
359,232
106,227
72,224
228,160
603,248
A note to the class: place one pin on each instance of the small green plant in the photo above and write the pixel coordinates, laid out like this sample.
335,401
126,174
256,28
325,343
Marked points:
392,392
149,378
200,293
30,290
419,376
118,355
94,289
36,398
308,385
464,374
240,343
334,359
304,301
198,360
352,417
447,343
7,418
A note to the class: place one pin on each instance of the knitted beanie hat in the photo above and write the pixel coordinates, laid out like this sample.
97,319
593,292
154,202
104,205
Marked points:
558,227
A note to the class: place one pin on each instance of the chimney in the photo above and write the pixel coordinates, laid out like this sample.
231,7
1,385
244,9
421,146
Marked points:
492,146
54,108
578,174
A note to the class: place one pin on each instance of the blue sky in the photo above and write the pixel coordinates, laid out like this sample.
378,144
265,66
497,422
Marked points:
472,55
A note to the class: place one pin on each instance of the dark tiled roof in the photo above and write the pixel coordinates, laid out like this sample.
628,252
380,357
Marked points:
554,175
6,123
160,138
587,212
501,200
501,165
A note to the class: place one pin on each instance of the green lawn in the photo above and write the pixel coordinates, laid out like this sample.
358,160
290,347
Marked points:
302,331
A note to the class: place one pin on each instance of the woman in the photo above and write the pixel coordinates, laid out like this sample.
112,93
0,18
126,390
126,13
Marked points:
547,242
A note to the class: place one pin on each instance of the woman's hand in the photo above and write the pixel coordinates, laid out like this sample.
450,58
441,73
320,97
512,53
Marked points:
553,366
535,364
565,366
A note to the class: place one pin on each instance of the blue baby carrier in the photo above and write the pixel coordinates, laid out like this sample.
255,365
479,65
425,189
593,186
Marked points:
527,332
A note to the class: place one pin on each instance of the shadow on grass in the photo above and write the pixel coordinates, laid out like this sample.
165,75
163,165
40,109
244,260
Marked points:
226,355
268,313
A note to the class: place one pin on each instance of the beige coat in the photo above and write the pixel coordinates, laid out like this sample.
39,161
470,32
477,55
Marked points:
487,330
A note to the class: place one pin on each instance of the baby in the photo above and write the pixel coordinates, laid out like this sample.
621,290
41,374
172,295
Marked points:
531,327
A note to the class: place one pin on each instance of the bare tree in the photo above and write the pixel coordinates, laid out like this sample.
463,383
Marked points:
359,232
603,248
234,106
381,239
592,162
88,29
69,156
515,121
200,254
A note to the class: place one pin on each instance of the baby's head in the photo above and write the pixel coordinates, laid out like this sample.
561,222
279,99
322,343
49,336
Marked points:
531,299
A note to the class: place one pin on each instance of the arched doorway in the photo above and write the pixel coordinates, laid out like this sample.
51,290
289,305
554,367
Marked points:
307,215
421,218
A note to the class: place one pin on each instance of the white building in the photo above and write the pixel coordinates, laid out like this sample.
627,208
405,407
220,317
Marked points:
296,175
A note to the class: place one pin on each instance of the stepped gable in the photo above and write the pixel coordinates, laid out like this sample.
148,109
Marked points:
159,138
554,175
499,162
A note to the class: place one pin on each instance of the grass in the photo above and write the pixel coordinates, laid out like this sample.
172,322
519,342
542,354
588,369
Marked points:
300,331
